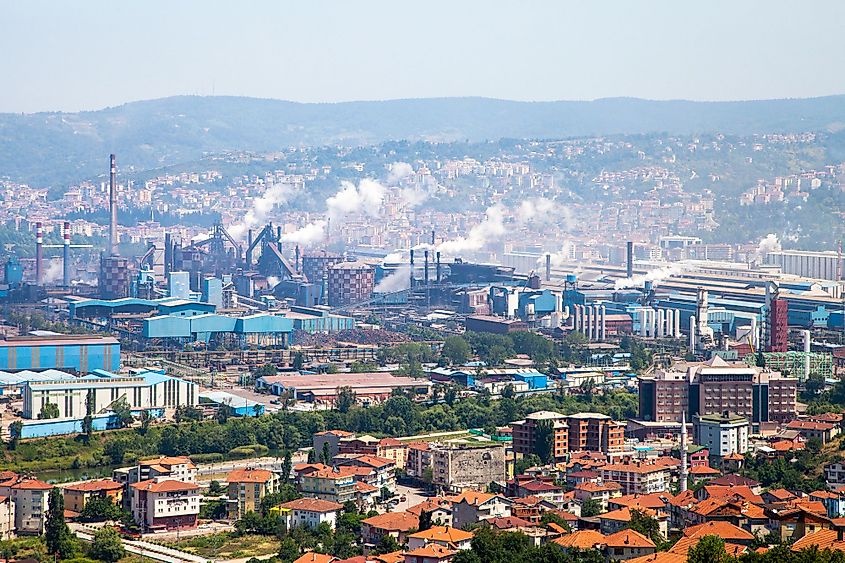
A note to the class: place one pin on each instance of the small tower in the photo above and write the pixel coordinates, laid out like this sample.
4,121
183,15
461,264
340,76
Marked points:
683,482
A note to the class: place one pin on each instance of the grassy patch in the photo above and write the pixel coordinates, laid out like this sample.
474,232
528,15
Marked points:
227,545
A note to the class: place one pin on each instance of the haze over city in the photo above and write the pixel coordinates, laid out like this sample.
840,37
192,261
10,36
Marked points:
406,282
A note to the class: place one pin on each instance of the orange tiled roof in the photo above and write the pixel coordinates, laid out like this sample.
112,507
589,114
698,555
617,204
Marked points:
95,486
474,498
628,538
166,486
592,487
312,557
660,557
313,505
724,530
32,485
249,476
445,534
824,539
394,521
431,551
582,539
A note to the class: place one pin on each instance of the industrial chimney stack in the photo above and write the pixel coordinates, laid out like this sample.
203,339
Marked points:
112,206
66,255
39,253
630,260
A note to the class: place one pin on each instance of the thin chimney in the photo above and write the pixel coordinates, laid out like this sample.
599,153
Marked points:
112,206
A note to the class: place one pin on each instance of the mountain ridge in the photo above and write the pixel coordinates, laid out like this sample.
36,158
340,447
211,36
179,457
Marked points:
50,147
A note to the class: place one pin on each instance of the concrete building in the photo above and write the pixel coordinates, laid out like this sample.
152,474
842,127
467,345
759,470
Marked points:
246,488
763,397
471,507
310,513
30,497
350,283
570,433
460,466
333,484
171,467
165,504
77,495
148,390
808,264
722,434
7,518
48,350
638,477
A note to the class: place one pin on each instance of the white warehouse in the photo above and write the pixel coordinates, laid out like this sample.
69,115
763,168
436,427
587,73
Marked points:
148,390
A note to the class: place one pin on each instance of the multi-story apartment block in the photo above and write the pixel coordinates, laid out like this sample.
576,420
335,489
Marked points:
310,513
30,497
165,504
722,434
77,496
172,467
638,477
419,459
246,489
761,396
7,518
471,507
332,484
460,466
569,433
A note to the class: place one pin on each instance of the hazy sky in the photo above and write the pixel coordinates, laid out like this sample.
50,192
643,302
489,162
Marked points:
65,55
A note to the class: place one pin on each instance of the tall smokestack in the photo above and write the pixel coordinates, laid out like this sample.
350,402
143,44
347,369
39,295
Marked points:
412,268
630,259
425,275
432,237
249,250
548,267
66,255
112,206
437,255
168,255
39,253
296,259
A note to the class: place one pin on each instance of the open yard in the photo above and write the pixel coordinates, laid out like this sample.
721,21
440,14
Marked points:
227,545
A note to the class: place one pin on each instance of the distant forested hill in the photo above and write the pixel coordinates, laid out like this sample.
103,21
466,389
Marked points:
48,148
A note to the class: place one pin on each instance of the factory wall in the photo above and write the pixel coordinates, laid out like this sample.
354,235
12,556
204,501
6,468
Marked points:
149,391
81,357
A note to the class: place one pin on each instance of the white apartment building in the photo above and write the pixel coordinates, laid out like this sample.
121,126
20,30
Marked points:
310,513
721,434
30,497
7,518
165,505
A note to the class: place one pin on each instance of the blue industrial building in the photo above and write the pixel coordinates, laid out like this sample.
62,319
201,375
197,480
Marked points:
85,308
239,406
46,350
318,319
261,328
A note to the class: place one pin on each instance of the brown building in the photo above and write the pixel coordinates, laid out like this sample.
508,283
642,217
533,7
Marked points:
570,433
350,283
763,397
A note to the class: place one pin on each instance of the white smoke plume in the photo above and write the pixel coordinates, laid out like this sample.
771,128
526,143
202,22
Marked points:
543,211
491,228
274,195
398,171
559,258
272,281
654,276
412,197
365,198
395,257
54,272
399,280
309,235
768,243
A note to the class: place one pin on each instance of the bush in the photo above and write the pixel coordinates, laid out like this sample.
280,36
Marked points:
207,458
252,450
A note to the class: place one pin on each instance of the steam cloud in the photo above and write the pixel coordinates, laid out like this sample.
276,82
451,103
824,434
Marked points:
491,228
398,171
654,276
274,195
397,281
54,272
768,243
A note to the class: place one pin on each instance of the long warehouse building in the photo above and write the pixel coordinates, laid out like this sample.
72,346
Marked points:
48,350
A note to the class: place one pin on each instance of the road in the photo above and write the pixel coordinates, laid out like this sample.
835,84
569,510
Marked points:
142,548
413,497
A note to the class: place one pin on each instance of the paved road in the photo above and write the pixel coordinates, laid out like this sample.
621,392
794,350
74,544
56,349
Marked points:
143,548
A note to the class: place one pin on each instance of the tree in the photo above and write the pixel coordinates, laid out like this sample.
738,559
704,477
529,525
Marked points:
544,435
49,411
450,395
215,488
508,392
646,525
187,412
387,544
455,350
15,430
710,549
298,361
99,508
121,410
425,520
287,466
346,399
88,419
107,545
526,462
289,550
116,449
590,507
146,419
265,370
326,455
57,535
